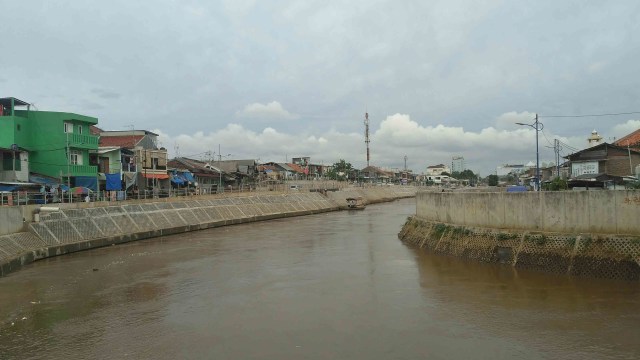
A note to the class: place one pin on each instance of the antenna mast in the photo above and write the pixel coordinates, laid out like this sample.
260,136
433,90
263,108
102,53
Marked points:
366,134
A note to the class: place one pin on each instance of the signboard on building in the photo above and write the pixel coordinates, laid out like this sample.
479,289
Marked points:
581,168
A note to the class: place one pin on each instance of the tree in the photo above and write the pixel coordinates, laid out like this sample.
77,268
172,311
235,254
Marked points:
340,170
466,175
492,180
556,185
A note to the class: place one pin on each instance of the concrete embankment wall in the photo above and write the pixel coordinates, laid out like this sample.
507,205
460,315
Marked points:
594,234
11,220
604,212
82,226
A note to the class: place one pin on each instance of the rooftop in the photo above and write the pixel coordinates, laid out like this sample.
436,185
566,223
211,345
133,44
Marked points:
16,102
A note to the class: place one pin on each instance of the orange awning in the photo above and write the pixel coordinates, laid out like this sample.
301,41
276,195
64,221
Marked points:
156,176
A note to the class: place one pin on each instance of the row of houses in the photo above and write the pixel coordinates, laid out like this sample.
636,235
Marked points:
67,150
599,165
61,149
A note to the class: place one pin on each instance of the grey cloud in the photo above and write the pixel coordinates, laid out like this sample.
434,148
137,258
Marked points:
467,65
105,94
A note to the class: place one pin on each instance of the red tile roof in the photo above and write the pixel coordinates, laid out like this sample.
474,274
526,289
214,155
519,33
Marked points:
297,168
94,130
632,140
127,141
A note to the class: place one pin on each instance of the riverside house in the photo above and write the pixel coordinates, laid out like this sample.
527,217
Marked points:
53,144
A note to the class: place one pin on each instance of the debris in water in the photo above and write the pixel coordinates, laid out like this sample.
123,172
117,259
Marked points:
95,269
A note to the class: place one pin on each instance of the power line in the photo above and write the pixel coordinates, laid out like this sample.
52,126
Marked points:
588,115
569,146
546,138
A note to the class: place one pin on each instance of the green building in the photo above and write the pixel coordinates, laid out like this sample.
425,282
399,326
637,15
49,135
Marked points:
54,144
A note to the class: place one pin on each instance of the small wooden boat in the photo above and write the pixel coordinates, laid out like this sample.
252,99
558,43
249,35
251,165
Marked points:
356,203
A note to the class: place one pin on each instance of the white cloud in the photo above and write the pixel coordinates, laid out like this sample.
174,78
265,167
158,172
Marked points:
624,129
509,120
272,110
396,136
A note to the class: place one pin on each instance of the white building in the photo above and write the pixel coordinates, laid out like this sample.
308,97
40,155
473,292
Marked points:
457,164
440,179
594,139
506,169
437,169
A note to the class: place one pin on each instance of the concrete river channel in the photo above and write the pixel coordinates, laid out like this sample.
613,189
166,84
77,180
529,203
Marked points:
336,285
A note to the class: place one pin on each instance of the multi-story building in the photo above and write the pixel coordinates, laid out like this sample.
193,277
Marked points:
438,169
457,164
310,170
140,161
54,144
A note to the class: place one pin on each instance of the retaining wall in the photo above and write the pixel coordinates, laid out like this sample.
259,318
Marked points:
586,233
603,212
11,220
82,226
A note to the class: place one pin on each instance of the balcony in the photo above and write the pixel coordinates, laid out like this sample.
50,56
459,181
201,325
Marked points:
82,141
83,170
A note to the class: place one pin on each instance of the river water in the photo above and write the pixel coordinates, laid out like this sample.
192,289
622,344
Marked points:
331,286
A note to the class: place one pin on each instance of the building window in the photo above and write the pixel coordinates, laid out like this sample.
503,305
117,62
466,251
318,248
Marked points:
18,127
80,129
8,162
68,128
75,157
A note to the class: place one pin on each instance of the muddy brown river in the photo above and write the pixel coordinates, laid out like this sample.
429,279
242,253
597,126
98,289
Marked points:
332,286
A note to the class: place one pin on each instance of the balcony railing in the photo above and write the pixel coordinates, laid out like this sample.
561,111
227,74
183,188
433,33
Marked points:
82,141
83,170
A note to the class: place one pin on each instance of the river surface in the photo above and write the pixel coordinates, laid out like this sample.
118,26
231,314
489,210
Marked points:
331,286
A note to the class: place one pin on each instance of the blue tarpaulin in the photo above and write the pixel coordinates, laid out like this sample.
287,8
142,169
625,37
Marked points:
517,188
7,187
42,180
176,179
113,182
87,181
188,176
182,177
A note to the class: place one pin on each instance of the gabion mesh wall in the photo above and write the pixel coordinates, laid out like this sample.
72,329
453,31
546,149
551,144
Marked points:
611,256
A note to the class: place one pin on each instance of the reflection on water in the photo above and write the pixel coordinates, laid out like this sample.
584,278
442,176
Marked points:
338,285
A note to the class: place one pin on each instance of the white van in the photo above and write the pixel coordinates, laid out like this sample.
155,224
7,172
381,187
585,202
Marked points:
294,187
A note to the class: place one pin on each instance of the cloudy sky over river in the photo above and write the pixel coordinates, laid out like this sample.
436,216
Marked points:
274,79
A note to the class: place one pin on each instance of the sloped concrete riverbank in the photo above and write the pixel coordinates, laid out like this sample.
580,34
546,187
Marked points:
77,227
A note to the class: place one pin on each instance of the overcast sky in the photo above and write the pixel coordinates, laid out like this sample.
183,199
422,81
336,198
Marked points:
271,80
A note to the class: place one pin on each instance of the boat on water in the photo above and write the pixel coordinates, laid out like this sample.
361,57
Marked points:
355,203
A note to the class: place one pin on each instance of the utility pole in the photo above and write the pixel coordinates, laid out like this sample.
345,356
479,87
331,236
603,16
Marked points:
537,156
537,126
630,165
366,134
220,189
556,148
69,168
